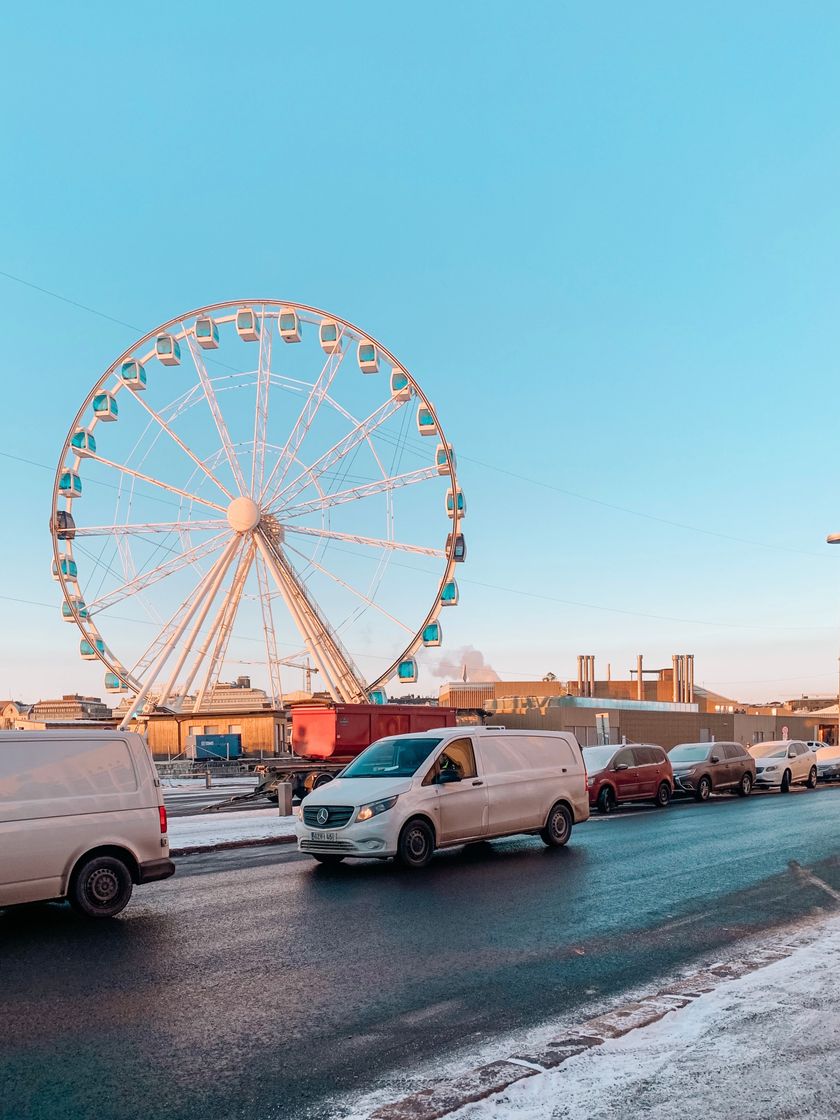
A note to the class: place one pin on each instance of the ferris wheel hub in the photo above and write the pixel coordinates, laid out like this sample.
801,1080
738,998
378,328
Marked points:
243,515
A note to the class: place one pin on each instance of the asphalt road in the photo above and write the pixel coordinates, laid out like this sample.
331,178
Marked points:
257,984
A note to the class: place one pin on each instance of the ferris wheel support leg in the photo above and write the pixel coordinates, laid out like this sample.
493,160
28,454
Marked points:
221,568
175,637
346,678
316,650
223,626
213,632
269,634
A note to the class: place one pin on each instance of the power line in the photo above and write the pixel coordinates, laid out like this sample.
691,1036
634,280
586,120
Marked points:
685,526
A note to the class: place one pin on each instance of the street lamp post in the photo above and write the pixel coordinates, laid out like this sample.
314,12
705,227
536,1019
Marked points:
834,538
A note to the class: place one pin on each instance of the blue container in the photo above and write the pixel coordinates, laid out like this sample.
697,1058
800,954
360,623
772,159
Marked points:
218,746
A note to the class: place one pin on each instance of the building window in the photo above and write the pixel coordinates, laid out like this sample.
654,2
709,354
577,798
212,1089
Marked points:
194,730
234,729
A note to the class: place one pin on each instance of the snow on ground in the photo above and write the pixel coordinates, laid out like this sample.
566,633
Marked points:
190,785
764,1047
216,828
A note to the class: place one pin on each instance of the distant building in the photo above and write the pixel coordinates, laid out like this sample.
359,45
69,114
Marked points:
10,712
68,709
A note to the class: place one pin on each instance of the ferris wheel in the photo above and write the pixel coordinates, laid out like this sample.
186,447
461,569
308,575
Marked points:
253,487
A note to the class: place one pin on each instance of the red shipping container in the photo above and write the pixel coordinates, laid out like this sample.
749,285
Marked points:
342,731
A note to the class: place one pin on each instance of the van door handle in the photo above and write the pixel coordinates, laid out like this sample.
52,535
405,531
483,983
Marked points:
478,782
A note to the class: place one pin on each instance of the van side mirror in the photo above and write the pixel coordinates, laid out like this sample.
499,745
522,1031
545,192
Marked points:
446,776
621,766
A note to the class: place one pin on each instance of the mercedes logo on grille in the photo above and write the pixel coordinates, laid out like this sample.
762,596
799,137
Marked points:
323,816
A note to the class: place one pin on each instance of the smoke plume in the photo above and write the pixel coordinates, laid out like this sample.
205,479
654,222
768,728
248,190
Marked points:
451,666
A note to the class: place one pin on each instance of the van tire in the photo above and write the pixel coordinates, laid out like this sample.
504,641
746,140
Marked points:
416,844
100,887
328,860
663,796
785,786
558,827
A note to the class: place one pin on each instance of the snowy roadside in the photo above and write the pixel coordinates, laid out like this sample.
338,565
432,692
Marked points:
758,1039
209,831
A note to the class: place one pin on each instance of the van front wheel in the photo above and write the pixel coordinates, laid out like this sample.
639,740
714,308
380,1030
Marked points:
416,844
558,827
101,887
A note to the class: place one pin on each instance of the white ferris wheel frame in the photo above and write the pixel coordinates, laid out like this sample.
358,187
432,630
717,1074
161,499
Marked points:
262,547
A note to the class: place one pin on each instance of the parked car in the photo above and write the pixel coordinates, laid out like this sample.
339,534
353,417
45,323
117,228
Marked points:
407,795
701,768
81,818
781,763
631,772
828,761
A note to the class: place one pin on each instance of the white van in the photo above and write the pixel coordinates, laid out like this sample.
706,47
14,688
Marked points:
81,818
407,795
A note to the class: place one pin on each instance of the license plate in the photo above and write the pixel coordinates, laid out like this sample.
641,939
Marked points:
324,837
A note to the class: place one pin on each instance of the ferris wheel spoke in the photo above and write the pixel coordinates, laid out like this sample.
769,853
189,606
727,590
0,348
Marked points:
142,530
380,486
177,439
269,632
343,679
213,404
219,571
147,579
372,542
336,453
304,421
353,590
222,626
261,413
154,481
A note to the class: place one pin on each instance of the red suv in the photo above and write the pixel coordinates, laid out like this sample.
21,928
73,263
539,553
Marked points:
631,772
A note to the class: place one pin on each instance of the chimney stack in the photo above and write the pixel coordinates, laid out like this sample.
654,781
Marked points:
640,692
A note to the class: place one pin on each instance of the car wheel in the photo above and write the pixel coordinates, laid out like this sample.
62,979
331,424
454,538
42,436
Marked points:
704,789
663,796
101,887
328,860
812,778
558,827
606,800
416,844
785,786
745,785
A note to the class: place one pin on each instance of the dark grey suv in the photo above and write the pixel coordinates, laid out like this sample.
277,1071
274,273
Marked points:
701,768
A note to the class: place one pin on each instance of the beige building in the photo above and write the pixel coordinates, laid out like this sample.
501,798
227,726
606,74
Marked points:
263,733
69,709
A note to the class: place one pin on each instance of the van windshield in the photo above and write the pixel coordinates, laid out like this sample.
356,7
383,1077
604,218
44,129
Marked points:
391,758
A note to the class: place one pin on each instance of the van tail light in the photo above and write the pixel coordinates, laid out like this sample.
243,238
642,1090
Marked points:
162,811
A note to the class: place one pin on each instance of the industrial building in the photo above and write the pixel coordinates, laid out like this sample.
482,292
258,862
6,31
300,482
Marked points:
662,705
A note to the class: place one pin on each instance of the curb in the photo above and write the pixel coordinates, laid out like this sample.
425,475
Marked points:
228,845
445,1097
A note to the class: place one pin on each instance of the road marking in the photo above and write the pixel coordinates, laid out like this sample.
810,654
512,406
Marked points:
810,877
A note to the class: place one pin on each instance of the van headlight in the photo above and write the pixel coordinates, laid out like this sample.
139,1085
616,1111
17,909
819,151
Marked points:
375,808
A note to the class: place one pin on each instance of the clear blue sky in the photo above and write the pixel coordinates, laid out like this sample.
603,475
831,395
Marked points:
603,236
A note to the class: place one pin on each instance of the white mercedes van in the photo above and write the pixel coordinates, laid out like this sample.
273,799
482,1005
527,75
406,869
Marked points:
407,795
81,818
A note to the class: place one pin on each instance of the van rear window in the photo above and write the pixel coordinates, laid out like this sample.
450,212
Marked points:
39,769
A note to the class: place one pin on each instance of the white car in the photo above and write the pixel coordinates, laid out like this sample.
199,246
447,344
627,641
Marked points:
828,761
407,795
783,763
